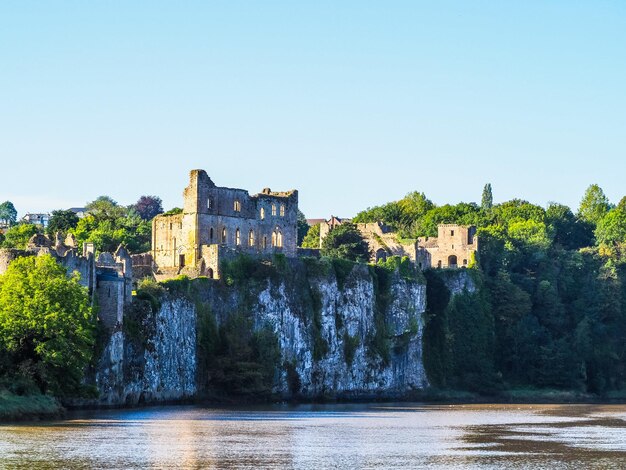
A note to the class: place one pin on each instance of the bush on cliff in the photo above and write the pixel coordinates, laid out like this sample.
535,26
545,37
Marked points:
346,242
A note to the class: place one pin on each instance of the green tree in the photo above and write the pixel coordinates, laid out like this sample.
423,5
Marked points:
345,241
569,231
594,205
18,235
312,238
108,225
105,208
611,228
462,213
303,227
62,221
516,210
46,323
8,214
487,199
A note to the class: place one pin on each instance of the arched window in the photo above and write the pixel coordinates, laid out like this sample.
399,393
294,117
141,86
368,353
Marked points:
237,238
211,235
224,235
273,210
209,203
279,239
262,213
452,261
282,210
273,238
251,238
210,273
237,206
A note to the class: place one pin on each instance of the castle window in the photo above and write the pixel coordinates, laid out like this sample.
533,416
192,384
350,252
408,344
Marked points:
170,226
224,235
237,237
273,210
264,243
282,210
209,204
211,234
277,239
464,262
237,206
251,238
452,233
262,213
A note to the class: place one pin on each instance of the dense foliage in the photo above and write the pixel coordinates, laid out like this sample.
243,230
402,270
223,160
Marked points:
109,224
550,306
345,242
62,221
303,227
46,325
18,235
312,238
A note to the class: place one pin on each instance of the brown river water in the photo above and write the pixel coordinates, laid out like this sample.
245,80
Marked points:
375,436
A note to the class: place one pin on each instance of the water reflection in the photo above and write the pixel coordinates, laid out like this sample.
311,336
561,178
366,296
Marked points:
339,436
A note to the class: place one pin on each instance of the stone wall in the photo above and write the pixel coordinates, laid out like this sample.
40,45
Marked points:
454,247
383,242
261,224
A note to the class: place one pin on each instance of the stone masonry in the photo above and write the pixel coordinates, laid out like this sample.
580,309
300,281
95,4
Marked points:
218,222
454,247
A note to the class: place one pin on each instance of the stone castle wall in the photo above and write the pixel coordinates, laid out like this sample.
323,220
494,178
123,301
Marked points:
261,224
454,247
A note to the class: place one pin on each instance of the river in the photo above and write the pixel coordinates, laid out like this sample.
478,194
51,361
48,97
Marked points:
375,436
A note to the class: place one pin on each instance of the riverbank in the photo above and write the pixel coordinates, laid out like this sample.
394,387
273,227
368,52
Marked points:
36,407
28,407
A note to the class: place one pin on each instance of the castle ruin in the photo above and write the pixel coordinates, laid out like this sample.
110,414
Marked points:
218,222
454,247
108,278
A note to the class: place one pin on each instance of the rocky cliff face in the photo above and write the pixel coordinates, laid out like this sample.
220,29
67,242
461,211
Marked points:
154,359
348,315
354,337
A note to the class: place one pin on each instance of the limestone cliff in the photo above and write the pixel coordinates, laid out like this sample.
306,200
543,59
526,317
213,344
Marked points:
152,360
354,333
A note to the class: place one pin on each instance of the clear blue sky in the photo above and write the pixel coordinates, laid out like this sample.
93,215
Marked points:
352,103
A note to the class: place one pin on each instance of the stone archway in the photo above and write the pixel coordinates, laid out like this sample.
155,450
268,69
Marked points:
452,261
